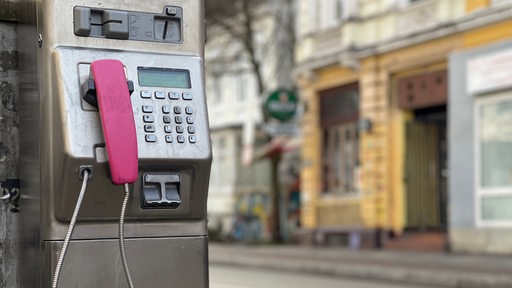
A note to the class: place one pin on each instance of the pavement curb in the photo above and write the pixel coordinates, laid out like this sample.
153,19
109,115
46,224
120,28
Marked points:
414,275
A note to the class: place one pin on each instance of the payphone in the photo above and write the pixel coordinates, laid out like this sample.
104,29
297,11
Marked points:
113,115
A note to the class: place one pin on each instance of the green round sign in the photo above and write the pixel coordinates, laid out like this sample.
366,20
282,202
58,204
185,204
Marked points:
281,104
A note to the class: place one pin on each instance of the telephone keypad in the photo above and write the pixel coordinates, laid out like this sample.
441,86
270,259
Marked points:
170,118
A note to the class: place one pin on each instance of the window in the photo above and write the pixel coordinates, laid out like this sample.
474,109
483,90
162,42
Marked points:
222,158
339,9
494,160
219,174
340,138
241,86
331,12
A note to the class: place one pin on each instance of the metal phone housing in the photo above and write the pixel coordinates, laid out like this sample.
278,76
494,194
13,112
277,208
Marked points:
61,134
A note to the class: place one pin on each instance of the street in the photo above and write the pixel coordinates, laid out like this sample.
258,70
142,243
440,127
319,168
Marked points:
226,276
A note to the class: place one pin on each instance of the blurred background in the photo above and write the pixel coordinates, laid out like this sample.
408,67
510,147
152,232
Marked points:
372,126
381,93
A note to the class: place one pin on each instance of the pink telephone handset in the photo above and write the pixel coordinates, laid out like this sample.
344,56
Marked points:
117,119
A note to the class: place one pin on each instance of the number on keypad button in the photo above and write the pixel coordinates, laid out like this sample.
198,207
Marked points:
149,128
174,95
159,95
145,94
148,118
147,108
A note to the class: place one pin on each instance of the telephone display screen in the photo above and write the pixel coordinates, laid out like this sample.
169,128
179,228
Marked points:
164,77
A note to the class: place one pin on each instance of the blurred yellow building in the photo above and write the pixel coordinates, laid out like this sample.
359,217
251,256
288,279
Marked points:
373,77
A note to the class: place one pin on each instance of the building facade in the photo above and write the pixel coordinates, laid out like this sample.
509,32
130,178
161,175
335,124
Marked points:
240,188
374,76
233,102
481,90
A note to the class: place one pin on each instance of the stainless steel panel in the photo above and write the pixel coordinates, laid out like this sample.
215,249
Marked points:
61,133
56,25
74,135
153,262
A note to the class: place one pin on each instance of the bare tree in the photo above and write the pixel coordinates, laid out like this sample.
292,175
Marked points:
241,19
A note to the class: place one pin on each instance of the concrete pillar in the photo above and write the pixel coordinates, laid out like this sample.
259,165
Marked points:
9,147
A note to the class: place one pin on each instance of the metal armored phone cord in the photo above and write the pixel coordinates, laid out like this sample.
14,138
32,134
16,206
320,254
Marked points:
121,236
71,227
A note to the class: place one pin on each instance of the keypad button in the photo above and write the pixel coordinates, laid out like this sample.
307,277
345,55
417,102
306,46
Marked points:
168,128
166,109
190,120
186,96
189,110
178,119
192,139
181,139
147,108
180,129
191,129
148,118
149,128
177,110
167,119
151,138
160,95
168,138
145,94
174,96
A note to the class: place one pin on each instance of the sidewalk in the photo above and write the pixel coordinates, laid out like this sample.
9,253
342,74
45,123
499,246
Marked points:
443,270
